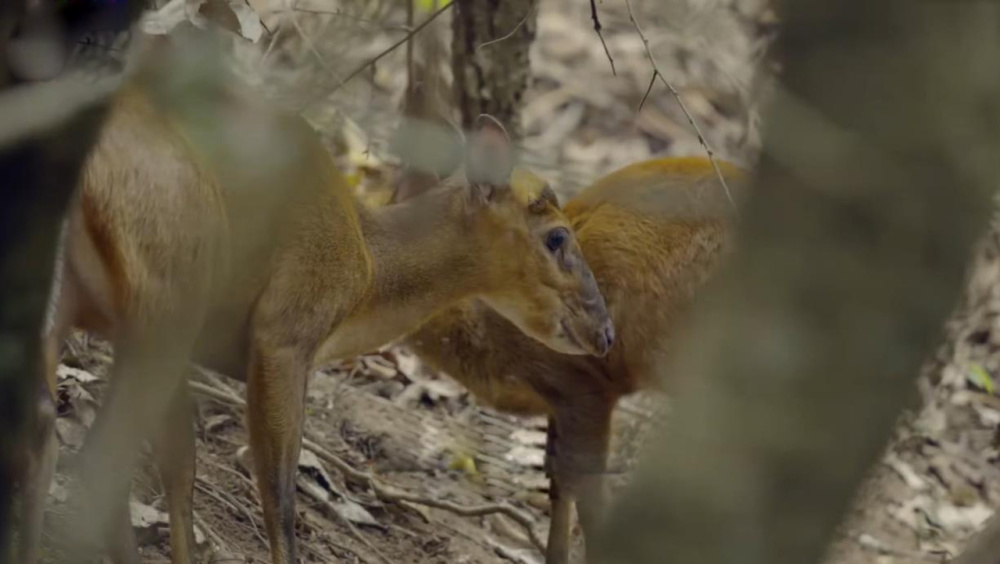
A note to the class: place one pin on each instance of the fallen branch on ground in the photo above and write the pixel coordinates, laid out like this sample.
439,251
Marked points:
220,543
383,492
325,503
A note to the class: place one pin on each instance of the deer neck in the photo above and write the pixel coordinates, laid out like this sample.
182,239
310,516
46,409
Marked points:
424,261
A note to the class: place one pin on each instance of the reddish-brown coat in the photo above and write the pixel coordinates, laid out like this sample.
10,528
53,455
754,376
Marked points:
264,275
653,233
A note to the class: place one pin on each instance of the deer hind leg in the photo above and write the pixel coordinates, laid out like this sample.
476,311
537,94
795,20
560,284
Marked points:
580,458
119,540
171,425
276,387
36,475
42,453
175,458
149,364
561,506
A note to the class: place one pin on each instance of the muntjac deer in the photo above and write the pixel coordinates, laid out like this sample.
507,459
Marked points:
266,292
652,232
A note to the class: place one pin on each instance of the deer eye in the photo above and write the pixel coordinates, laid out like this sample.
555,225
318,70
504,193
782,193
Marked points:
556,238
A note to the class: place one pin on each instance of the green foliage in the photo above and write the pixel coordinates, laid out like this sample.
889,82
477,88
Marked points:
429,6
978,376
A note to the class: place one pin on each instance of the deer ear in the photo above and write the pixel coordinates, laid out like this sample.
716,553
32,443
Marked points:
488,157
545,198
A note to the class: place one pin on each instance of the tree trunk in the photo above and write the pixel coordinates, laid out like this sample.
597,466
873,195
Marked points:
983,547
491,79
39,173
876,179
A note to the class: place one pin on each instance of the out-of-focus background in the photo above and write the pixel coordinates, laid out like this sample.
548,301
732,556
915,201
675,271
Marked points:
422,433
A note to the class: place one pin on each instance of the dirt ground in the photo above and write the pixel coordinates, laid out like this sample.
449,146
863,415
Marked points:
422,435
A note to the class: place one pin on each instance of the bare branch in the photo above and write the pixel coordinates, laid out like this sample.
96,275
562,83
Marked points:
652,82
680,102
312,46
393,47
384,492
513,31
519,517
340,13
316,494
875,180
597,28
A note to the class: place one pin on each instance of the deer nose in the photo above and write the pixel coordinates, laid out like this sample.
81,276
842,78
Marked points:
605,338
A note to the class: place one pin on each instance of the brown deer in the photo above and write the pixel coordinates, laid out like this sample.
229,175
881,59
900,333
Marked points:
266,277
653,233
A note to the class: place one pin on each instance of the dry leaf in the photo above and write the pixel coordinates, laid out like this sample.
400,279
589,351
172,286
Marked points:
82,376
145,516
344,508
251,27
71,433
380,366
216,421
408,363
526,456
164,20
954,518
529,437
906,472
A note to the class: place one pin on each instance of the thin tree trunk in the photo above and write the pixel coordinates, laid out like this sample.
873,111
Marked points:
491,78
38,174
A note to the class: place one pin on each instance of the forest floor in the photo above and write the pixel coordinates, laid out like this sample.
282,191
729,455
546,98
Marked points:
425,437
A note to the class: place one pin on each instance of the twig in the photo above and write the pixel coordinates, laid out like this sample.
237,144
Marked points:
475,511
217,394
340,14
224,498
507,554
652,82
597,28
270,45
312,46
517,27
411,83
393,47
321,530
260,17
677,96
235,473
329,507
874,544
384,492
210,532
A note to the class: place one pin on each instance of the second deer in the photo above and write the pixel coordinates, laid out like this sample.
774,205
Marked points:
266,288
653,233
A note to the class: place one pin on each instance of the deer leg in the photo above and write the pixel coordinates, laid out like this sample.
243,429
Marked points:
175,457
36,476
581,463
174,453
147,373
42,453
561,507
120,538
276,401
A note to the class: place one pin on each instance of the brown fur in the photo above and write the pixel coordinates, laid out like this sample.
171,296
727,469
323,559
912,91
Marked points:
652,234
280,272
